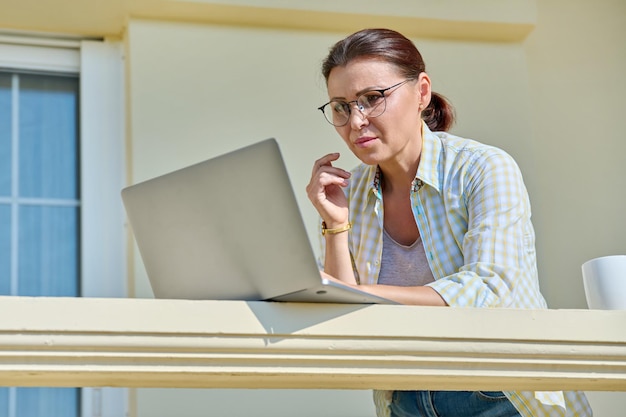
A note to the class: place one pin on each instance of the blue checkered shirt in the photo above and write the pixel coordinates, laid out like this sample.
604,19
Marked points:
473,214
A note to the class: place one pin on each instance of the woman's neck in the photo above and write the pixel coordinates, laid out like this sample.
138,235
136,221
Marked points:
398,173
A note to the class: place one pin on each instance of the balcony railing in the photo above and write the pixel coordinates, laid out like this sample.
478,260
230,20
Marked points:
94,342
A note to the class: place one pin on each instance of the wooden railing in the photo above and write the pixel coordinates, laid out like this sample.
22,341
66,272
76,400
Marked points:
95,342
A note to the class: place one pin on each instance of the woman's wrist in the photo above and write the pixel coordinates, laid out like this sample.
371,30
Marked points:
335,230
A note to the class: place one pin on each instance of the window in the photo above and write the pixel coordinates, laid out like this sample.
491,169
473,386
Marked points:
40,206
39,197
61,169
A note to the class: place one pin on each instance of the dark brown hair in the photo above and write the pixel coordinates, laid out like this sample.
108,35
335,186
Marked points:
394,48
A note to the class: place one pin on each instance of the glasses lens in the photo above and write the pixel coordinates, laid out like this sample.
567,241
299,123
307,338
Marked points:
372,103
337,112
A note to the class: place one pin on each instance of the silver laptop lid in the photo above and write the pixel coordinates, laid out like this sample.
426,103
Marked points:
225,228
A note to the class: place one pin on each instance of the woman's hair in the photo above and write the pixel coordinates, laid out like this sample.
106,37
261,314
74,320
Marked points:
392,47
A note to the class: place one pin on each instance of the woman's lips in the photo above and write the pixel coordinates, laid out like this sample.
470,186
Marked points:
364,141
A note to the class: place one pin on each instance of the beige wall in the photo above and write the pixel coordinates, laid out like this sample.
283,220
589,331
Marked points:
197,90
222,87
542,100
577,63
553,100
200,90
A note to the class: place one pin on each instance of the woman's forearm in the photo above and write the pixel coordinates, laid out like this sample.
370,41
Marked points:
337,261
422,295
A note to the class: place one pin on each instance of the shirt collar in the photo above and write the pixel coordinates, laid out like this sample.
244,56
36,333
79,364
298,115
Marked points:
427,172
428,169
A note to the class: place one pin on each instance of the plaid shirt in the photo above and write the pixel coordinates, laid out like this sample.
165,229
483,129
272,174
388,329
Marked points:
473,214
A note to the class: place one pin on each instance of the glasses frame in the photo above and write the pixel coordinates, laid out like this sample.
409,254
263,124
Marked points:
382,92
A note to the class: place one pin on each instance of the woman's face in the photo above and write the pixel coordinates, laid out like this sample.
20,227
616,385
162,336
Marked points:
395,135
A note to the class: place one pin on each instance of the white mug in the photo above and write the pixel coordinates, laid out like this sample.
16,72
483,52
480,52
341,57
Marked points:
605,282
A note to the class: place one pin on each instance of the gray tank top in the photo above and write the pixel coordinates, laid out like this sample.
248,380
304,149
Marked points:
404,266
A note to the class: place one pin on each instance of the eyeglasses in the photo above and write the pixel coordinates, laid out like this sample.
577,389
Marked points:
371,104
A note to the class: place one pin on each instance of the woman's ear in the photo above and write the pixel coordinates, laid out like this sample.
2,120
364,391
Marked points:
423,89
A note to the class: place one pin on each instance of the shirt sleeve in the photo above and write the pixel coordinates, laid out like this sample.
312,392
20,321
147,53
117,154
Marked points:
498,260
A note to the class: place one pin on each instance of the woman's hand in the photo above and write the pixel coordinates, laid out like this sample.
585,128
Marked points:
325,191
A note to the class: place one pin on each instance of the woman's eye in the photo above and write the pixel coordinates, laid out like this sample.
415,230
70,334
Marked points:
369,100
339,107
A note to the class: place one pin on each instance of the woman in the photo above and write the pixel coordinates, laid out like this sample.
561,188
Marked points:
428,218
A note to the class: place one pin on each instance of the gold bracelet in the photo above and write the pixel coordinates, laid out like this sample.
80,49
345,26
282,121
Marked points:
335,231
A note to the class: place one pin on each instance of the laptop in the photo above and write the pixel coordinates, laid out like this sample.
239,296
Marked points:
229,228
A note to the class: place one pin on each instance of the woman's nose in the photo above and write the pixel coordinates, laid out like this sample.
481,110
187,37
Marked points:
358,119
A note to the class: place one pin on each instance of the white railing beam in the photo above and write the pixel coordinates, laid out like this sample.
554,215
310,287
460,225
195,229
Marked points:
93,342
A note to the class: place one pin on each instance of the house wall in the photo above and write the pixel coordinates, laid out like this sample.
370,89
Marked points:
576,61
576,65
222,87
552,99
198,90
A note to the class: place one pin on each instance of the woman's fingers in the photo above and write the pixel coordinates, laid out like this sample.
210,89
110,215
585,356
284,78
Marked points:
324,165
333,178
325,175
325,188
325,160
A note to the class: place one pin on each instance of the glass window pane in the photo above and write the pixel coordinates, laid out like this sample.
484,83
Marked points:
48,131
47,402
5,254
4,402
5,134
48,251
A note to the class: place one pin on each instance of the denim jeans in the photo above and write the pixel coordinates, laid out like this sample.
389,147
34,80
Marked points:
451,404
